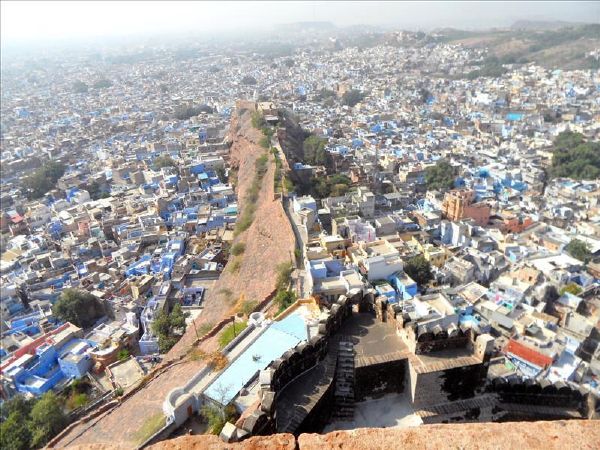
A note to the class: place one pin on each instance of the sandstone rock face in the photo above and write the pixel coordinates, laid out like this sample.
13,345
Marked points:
559,435
276,441
574,434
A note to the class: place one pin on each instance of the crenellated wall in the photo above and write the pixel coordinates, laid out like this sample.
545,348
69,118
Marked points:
552,397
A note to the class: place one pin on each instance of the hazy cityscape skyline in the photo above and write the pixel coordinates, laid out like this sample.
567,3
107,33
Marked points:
333,225
26,22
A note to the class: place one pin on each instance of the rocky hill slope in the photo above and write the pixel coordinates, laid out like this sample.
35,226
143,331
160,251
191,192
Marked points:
269,241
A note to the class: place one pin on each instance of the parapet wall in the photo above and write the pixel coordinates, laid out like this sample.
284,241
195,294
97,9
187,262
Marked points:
546,395
551,435
429,342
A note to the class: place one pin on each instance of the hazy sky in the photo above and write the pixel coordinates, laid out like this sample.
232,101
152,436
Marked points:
31,21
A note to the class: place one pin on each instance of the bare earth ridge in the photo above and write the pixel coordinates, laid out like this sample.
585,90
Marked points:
269,242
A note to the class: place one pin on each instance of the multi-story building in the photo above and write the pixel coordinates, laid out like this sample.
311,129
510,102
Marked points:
460,204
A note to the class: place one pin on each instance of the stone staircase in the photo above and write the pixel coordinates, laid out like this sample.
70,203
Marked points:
344,384
455,407
301,396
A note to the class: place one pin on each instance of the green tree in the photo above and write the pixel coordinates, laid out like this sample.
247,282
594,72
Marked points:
339,189
248,307
573,157
102,84
43,179
238,249
284,298
335,185
169,327
186,113
325,94
19,404
164,161
249,80
178,317
123,354
230,332
80,87
78,307
440,176
571,288
161,326
96,191
579,249
47,419
15,433
424,95
314,150
352,97
258,120
284,272
220,171
419,269
217,417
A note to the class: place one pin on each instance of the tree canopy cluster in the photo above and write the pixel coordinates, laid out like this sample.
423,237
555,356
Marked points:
488,70
314,150
579,249
440,176
43,179
333,186
96,191
30,424
80,87
419,269
164,161
102,83
185,113
249,80
424,95
571,288
352,97
169,327
284,296
78,307
217,417
325,95
258,120
573,157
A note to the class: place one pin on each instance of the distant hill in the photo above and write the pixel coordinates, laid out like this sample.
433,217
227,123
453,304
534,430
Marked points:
562,48
542,25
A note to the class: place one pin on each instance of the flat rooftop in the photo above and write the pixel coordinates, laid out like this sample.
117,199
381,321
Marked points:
374,341
443,360
127,373
279,337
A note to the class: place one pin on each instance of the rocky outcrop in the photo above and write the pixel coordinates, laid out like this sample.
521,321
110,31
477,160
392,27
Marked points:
269,241
558,435
526,435
276,441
